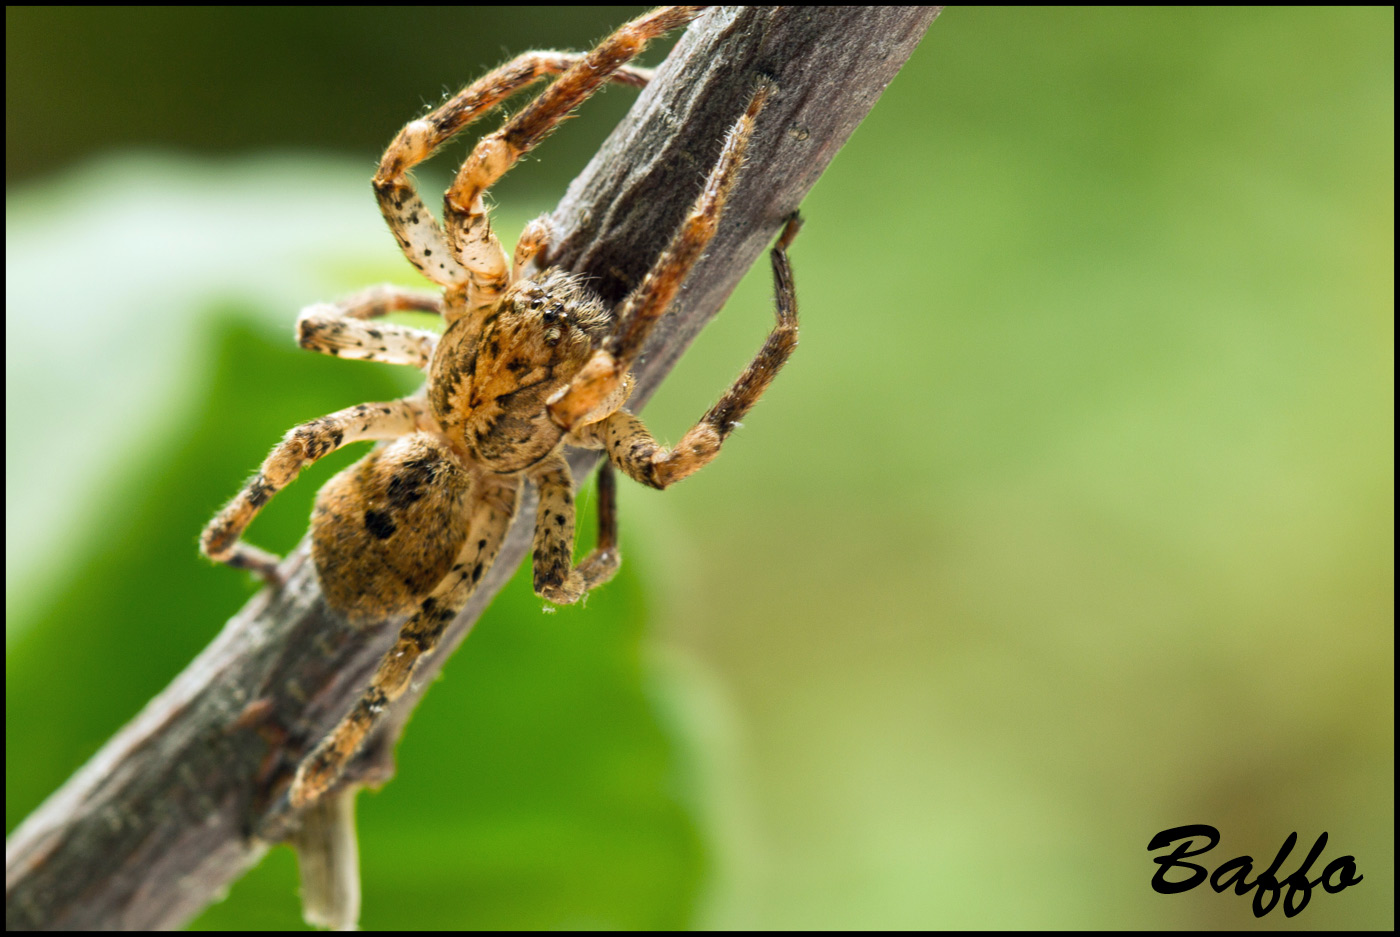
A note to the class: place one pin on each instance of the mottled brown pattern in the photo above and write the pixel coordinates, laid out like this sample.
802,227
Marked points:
390,527
530,360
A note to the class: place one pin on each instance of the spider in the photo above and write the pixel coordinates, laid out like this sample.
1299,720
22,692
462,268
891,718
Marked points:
529,361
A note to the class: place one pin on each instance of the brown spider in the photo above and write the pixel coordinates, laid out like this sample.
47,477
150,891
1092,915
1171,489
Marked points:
528,362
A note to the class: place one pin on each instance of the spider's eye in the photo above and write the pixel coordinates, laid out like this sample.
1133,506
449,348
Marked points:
536,302
553,314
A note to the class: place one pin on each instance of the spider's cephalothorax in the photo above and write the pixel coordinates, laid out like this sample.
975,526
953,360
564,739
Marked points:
528,363
489,383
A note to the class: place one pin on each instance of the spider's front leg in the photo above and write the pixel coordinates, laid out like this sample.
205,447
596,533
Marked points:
631,446
411,222
302,446
573,406
473,245
492,506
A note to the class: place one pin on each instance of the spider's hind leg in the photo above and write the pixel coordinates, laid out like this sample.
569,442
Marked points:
491,506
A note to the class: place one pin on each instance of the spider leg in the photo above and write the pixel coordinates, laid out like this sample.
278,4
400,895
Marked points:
412,224
469,233
494,499
340,328
533,240
632,447
302,446
556,578
649,301
602,562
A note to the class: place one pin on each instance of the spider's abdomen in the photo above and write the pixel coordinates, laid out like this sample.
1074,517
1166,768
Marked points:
386,530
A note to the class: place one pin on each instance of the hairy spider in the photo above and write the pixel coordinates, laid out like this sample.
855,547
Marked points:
529,362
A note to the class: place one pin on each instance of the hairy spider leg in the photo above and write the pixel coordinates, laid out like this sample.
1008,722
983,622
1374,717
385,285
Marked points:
600,564
556,578
413,226
302,446
650,300
465,215
573,406
630,445
493,502
340,328
533,240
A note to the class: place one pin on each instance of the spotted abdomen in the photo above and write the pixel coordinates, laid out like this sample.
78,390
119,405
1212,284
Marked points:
386,530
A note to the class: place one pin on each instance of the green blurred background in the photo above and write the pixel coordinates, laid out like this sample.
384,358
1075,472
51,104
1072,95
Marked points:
1070,521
